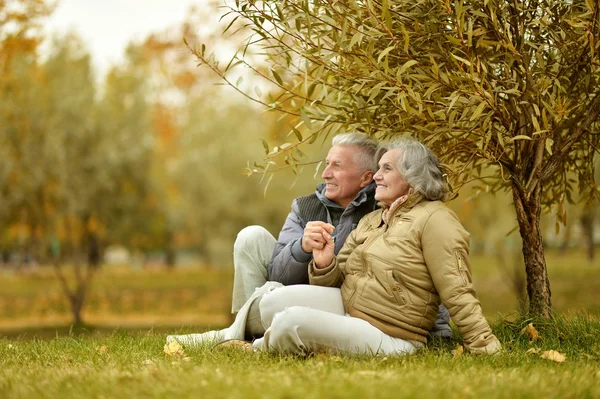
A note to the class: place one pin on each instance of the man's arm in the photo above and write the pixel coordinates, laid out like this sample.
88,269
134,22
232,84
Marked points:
289,264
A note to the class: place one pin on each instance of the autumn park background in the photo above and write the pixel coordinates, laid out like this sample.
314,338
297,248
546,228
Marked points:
122,194
122,190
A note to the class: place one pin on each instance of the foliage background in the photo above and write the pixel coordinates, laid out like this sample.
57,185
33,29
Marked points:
148,162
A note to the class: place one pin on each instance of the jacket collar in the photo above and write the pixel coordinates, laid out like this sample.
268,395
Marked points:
367,193
412,200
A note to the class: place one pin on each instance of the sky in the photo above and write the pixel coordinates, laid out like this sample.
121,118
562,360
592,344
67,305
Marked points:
107,26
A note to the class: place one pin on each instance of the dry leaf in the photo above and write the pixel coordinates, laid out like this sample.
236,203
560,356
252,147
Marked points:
237,344
531,332
555,356
102,349
533,350
458,351
149,363
174,349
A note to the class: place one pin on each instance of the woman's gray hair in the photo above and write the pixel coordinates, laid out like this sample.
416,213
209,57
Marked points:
419,167
367,146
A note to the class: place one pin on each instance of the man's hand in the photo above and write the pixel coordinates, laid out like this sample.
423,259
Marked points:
314,233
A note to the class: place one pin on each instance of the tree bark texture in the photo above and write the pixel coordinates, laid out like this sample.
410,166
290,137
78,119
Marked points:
528,209
587,224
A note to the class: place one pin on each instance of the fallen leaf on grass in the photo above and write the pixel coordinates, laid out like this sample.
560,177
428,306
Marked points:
531,332
236,344
533,350
149,363
458,351
102,349
555,356
174,349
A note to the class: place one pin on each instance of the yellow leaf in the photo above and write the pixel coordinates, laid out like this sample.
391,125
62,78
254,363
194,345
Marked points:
531,332
149,363
102,349
478,111
553,355
174,349
458,352
521,137
533,350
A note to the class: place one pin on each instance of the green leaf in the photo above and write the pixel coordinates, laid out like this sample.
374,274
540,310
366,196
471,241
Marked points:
265,146
277,77
478,111
311,89
297,133
357,38
461,59
549,143
406,65
306,119
384,53
536,124
521,137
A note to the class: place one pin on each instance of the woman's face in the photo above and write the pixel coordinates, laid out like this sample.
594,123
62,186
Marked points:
390,184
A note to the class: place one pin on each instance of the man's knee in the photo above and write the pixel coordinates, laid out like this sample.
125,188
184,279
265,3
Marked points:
250,236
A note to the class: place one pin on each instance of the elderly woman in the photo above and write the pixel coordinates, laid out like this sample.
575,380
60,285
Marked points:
381,293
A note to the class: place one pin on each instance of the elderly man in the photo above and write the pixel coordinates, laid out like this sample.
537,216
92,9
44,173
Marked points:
262,263
346,195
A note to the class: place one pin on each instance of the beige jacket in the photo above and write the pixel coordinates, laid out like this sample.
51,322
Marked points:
395,276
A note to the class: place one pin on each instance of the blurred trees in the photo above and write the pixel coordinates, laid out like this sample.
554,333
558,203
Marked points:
150,157
507,93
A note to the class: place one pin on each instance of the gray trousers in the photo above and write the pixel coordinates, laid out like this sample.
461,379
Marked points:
252,252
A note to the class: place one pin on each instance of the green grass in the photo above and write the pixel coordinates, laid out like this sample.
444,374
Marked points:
135,366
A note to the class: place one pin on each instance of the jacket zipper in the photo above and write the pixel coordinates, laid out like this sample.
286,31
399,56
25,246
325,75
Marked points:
460,265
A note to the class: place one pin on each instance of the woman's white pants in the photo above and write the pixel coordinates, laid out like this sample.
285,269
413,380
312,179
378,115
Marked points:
304,318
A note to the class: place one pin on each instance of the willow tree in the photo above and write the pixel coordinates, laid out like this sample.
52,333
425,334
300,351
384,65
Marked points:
503,91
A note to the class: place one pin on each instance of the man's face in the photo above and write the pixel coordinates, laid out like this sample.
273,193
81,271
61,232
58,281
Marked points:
343,177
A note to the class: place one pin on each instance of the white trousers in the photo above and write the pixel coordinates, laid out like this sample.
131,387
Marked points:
303,318
252,253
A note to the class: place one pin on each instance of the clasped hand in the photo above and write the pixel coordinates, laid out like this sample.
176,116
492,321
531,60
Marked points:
317,239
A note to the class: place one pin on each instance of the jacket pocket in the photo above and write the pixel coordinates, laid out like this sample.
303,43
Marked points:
462,267
396,287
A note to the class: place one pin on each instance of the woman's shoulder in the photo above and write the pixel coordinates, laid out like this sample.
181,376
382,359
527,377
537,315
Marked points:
372,218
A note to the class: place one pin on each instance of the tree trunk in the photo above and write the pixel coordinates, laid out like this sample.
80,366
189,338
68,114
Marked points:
528,209
587,224
76,307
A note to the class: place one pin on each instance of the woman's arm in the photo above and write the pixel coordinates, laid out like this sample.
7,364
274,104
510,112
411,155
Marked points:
332,275
445,249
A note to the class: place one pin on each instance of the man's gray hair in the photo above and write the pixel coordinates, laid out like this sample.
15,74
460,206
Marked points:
368,146
419,167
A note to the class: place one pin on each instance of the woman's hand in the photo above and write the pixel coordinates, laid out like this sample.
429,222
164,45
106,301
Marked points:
324,256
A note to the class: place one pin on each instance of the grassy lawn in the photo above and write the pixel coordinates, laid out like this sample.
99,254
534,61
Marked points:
130,312
134,365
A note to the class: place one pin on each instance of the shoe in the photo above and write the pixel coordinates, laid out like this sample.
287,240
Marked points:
209,338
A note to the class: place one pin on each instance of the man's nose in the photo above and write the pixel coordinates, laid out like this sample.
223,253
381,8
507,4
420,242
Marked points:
326,172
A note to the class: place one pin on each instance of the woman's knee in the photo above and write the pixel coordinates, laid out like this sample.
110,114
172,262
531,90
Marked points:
271,304
285,329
